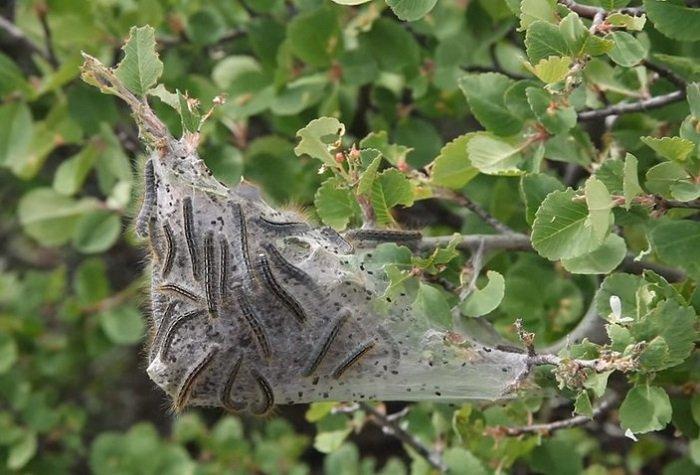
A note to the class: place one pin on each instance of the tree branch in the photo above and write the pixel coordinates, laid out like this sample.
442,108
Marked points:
666,73
476,209
629,107
18,36
389,425
588,11
549,427
521,242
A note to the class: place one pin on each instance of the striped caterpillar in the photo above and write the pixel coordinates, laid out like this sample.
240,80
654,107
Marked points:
253,307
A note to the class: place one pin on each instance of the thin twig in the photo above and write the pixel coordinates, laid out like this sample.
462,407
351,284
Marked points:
390,425
549,427
665,73
18,36
629,107
521,242
588,11
41,11
477,210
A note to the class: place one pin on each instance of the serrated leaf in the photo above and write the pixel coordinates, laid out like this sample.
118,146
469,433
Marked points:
662,177
494,156
556,117
564,228
393,153
486,96
485,300
374,157
534,188
411,10
533,10
622,286
597,382
553,69
670,148
602,260
645,409
627,50
141,67
629,22
630,180
543,40
675,21
189,116
335,204
390,189
317,139
452,167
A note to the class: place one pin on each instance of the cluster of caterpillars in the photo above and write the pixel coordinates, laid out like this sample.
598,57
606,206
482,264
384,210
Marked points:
226,300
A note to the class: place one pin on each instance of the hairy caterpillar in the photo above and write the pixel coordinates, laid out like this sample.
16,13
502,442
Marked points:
254,308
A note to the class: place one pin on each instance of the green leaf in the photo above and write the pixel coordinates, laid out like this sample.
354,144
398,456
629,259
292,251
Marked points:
629,22
693,96
486,96
534,187
335,204
452,167
533,10
600,205
364,184
12,79
328,442
623,286
16,134
670,148
51,218
318,139
188,114
393,153
141,67
350,2
391,189
662,177
597,382
627,50
494,156
685,191
655,355
22,451
483,301
583,404
71,173
431,304
123,325
678,243
565,227
8,352
555,117
411,10
96,232
602,260
552,69
393,47
543,40
675,21
645,409
630,180
460,461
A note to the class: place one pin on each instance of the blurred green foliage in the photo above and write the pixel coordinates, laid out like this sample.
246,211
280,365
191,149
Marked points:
73,392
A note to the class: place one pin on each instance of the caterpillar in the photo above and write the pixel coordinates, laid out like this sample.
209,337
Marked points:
301,316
